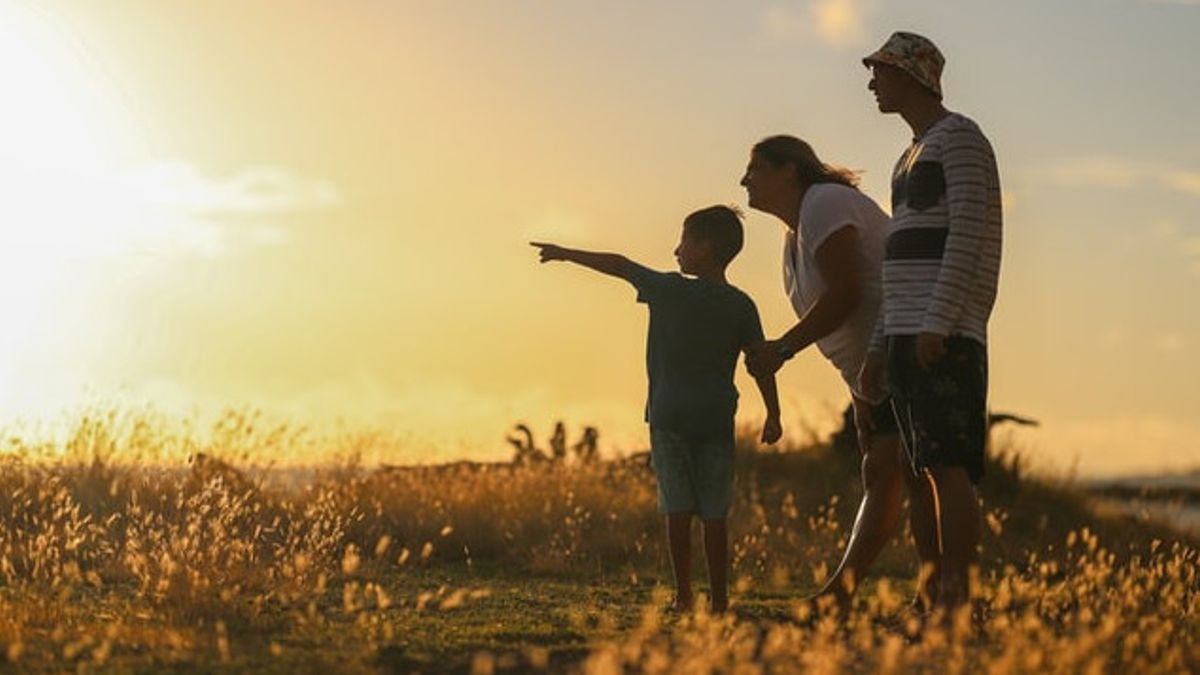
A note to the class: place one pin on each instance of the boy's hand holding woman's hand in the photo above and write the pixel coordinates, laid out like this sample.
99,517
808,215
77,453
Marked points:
765,358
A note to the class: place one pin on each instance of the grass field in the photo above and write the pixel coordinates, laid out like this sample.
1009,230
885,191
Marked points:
118,555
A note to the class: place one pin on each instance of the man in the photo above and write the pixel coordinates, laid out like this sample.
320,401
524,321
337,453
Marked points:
940,271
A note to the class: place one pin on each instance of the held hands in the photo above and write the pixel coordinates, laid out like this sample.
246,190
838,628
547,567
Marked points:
764,359
931,347
549,252
772,429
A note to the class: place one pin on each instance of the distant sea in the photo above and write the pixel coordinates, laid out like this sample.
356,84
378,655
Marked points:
1174,498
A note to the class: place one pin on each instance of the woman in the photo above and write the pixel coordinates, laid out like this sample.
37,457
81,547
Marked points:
833,254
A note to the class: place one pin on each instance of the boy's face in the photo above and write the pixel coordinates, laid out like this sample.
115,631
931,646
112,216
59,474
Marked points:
693,253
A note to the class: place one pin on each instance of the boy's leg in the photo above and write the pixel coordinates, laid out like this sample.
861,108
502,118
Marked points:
961,525
716,553
714,497
679,542
878,515
669,452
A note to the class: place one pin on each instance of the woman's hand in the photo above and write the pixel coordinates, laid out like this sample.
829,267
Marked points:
765,358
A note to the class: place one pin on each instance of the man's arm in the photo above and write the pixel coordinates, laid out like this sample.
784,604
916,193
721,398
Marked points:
965,159
612,264
839,263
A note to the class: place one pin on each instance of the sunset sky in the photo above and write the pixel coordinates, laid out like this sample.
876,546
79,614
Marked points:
321,209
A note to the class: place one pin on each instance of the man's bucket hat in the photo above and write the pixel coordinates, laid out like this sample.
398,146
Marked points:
915,55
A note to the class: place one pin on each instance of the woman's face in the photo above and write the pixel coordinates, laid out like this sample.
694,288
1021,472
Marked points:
766,184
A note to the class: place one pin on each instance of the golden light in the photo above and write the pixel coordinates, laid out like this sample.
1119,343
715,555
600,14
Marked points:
62,136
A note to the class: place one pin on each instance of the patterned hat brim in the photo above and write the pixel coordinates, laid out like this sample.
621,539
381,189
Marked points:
890,59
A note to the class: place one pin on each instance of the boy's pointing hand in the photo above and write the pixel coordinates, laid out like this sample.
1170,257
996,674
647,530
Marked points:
549,251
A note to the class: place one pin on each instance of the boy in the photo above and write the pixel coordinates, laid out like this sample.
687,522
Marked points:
698,328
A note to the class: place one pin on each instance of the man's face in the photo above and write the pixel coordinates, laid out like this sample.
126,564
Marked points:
765,183
890,85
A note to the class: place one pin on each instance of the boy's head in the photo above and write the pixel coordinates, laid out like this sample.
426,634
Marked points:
712,238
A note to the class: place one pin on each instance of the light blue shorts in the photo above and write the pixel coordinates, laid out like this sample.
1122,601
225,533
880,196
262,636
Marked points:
694,475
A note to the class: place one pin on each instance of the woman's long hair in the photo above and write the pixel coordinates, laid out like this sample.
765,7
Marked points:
782,149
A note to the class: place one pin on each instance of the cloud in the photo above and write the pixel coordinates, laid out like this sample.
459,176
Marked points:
252,190
67,212
1184,181
1117,173
1170,343
836,23
1190,247
1176,242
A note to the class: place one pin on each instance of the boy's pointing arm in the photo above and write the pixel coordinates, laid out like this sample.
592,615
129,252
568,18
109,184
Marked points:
612,264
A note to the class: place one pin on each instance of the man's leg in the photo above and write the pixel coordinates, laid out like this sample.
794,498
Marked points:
716,553
878,514
679,542
961,525
923,521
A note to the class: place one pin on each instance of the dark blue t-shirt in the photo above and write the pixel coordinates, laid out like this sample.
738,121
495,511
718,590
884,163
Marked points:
698,328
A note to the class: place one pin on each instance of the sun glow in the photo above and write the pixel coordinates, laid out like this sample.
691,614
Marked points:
63,137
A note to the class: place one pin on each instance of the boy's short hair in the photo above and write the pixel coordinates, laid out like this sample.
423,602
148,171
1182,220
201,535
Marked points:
720,226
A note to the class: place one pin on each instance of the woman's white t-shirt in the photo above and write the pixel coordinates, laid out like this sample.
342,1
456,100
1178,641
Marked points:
826,209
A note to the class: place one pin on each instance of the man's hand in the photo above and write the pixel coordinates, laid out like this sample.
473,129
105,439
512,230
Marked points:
772,430
764,359
931,347
549,251
863,424
872,377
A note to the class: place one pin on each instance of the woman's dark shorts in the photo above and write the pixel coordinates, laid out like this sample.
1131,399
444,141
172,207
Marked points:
942,411
883,420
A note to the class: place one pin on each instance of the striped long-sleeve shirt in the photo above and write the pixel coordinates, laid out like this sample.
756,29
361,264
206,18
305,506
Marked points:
942,260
